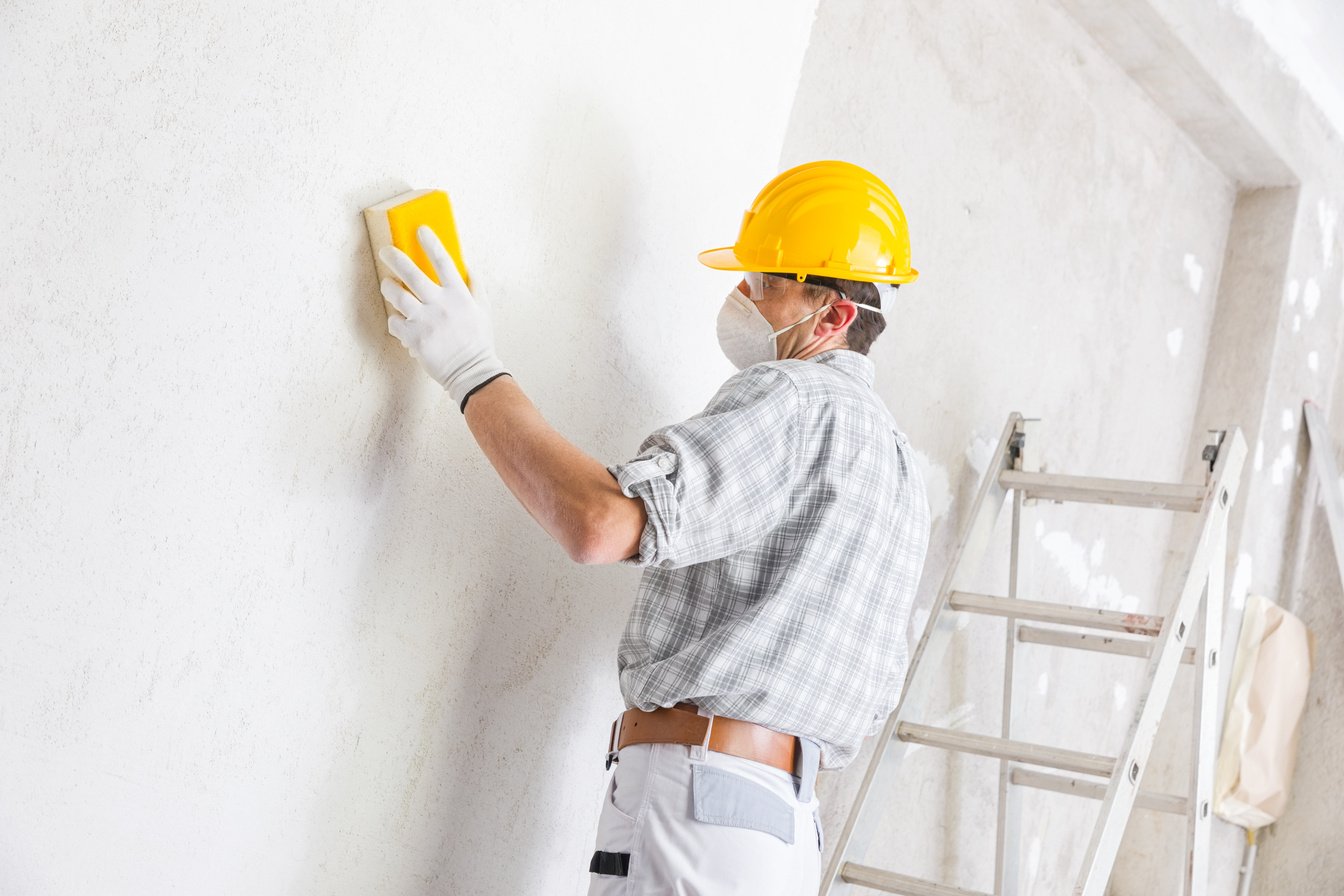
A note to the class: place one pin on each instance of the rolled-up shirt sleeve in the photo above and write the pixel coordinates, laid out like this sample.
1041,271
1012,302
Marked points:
721,480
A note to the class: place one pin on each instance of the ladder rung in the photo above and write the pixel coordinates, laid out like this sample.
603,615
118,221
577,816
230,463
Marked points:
1147,799
1060,614
1095,490
902,884
1002,748
1140,647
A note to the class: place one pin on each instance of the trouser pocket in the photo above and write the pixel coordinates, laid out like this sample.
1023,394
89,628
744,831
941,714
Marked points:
609,866
721,797
616,856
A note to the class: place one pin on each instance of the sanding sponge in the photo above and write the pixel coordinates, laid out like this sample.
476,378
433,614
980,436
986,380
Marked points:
394,221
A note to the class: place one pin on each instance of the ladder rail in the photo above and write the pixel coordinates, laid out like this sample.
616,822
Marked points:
1099,859
1006,826
1204,748
1162,640
886,759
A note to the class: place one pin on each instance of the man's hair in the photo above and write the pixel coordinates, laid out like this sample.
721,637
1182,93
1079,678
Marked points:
867,325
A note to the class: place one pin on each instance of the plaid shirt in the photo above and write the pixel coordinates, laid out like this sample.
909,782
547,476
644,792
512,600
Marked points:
786,536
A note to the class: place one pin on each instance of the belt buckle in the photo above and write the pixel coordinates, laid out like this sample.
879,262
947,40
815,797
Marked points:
613,745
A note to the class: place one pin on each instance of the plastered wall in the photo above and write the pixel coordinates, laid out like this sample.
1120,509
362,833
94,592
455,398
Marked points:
1099,181
269,622
1071,238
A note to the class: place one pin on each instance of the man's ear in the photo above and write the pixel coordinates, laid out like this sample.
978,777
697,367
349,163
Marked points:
847,310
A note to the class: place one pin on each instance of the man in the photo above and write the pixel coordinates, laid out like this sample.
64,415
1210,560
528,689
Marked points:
782,532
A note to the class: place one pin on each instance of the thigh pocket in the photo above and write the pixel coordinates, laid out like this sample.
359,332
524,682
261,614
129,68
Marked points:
610,862
721,797
616,800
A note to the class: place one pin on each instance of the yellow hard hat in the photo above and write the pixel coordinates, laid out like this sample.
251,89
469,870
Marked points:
829,219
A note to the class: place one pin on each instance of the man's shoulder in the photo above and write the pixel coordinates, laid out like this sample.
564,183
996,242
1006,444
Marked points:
817,382
757,382
837,396
797,383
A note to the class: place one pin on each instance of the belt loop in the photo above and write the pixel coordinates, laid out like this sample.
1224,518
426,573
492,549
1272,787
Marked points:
700,751
614,745
805,763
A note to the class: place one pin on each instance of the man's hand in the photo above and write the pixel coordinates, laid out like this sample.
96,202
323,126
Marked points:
444,327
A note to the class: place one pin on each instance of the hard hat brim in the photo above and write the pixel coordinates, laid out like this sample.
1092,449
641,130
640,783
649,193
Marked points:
725,259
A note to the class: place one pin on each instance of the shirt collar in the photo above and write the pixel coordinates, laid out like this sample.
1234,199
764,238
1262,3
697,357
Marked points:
848,361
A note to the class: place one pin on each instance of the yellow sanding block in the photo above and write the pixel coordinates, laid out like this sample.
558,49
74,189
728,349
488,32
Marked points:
393,223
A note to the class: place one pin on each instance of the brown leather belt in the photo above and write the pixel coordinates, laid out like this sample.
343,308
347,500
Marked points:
681,724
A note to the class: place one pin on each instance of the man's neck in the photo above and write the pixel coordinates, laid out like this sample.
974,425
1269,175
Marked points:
825,347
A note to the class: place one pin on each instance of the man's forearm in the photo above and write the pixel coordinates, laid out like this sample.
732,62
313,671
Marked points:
572,495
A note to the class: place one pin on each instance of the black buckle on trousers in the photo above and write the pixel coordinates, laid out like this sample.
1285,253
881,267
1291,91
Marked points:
615,863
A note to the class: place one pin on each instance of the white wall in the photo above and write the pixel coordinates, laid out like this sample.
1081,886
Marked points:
1305,36
1070,239
1064,175
271,624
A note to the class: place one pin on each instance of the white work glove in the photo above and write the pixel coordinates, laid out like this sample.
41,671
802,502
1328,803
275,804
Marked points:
445,327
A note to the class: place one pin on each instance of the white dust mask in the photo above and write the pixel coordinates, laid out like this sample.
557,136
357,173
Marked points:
744,333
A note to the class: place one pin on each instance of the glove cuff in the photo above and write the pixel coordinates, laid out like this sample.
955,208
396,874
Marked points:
473,390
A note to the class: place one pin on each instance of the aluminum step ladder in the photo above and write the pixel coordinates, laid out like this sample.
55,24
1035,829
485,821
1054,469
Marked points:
1165,641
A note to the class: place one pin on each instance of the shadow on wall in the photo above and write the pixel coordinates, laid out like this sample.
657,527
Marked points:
482,745
587,282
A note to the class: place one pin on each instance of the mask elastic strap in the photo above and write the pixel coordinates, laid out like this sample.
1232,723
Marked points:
801,319
821,309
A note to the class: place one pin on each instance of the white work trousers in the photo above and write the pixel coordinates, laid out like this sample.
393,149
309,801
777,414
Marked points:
682,820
